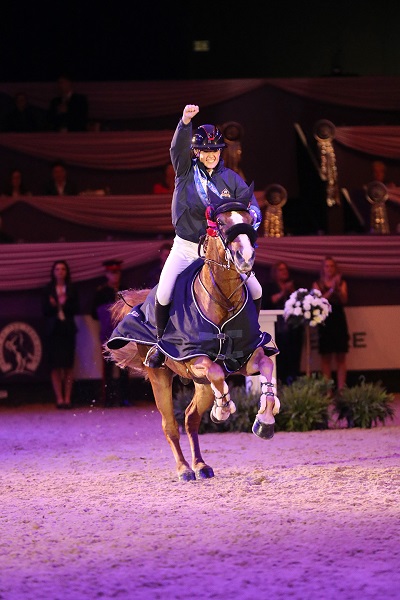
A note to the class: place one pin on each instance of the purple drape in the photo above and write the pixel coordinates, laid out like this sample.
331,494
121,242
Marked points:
140,214
115,100
26,266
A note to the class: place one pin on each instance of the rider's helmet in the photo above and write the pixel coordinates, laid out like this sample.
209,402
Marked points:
207,137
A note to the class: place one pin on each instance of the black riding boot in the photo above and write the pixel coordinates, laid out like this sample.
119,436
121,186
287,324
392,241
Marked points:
155,358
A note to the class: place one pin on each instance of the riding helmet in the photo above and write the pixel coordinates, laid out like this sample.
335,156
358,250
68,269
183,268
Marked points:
208,137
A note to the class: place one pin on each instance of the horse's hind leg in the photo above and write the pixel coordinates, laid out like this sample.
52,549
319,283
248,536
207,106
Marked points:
161,382
202,401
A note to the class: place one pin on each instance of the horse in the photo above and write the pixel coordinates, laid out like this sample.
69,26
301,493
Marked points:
219,293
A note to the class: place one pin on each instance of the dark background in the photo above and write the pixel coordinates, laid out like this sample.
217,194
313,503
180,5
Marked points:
154,40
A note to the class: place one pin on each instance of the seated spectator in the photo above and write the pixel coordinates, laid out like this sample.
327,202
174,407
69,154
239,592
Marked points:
22,117
68,111
15,187
60,184
166,186
379,173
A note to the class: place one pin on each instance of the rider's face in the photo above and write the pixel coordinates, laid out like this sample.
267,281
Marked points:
210,158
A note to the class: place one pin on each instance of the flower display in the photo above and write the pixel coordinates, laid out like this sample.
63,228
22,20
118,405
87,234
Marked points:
306,307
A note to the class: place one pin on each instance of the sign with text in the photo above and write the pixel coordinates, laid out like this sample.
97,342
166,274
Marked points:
374,339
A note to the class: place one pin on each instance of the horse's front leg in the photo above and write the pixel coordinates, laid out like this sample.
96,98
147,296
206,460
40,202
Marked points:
203,399
264,424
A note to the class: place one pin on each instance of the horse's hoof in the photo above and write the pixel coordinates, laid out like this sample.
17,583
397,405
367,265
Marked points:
205,472
217,421
187,475
263,430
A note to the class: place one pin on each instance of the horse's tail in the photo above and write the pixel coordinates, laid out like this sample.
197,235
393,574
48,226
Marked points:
127,299
126,357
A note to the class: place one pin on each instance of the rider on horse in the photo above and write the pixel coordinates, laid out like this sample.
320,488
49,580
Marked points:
196,158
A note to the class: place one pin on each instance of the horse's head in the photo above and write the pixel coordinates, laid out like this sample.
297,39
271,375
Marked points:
231,222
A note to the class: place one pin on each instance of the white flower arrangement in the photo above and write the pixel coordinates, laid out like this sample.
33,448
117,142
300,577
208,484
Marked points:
304,307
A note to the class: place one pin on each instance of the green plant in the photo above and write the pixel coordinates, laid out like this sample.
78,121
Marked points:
304,404
364,404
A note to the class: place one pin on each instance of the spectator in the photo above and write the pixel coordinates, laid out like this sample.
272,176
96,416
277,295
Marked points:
333,334
68,111
289,339
15,187
22,117
379,173
115,380
166,186
60,305
60,183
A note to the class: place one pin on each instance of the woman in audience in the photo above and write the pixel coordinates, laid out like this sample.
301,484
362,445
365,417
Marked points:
60,305
15,187
333,333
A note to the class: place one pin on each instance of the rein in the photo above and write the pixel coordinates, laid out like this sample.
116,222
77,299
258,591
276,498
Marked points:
214,230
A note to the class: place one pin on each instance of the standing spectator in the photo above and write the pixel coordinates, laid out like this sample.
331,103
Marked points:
68,111
115,380
21,118
289,339
15,187
60,184
333,334
60,305
154,273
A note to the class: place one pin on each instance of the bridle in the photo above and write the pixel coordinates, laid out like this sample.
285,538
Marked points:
215,229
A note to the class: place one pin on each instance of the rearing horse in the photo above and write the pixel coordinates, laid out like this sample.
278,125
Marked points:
213,331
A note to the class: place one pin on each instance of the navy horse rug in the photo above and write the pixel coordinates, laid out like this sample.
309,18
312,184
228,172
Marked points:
189,333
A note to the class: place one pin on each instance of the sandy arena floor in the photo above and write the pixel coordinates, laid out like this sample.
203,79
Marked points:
92,508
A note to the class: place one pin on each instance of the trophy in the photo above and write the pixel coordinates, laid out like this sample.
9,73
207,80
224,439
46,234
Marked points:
232,155
324,133
276,197
377,195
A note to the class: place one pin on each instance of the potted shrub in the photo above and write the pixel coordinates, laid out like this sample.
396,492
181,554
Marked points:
364,404
304,404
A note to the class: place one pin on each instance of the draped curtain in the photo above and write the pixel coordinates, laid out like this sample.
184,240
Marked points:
26,266
138,99
135,150
140,214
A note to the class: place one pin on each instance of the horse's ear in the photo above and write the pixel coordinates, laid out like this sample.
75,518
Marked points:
247,194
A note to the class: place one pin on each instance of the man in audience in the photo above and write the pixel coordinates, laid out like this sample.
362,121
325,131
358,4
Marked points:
115,380
60,183
68,111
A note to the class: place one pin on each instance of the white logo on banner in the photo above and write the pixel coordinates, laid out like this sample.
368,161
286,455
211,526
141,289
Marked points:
20,349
